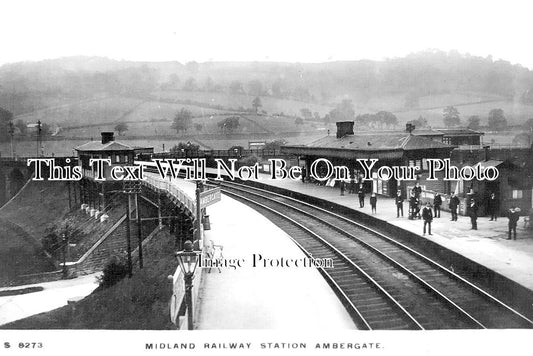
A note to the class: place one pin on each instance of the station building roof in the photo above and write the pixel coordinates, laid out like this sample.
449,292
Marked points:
460,132
376,141
108,144
95,146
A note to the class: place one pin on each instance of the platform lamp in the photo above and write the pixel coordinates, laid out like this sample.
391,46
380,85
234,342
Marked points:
188,260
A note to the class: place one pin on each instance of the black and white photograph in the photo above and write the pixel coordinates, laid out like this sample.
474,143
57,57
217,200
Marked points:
281,177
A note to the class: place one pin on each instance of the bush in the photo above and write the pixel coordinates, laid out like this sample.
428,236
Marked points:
51,243
115,270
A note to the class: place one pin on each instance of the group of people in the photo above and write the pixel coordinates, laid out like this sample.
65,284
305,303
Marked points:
429,212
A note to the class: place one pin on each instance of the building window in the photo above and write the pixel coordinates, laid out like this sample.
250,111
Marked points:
126,158
517,194
416,163
117,158
447,140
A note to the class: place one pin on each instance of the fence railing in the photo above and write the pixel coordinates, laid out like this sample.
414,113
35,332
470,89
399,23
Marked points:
161,184
232,153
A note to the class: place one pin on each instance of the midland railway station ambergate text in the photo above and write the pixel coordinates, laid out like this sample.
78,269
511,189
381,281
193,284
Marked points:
195,169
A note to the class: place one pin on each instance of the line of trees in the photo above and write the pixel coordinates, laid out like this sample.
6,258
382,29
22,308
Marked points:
496,120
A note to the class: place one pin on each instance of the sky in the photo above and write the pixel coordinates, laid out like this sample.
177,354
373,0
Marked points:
273,30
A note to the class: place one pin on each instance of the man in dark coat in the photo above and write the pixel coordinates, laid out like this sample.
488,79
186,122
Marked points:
373,202
514,216
361,194
454,203
417,190
399,203
413,204
472,212
342,186
493,206
427,215
437,202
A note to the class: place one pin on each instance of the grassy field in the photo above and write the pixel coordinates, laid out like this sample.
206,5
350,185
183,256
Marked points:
85,112
132,304
515,113
270,104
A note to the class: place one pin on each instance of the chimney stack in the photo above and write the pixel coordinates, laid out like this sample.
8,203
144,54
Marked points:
344,128
107,137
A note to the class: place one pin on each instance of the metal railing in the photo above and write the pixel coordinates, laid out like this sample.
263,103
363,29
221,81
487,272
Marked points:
161,184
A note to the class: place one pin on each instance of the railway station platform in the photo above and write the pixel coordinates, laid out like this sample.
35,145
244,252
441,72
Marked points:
247,297
487,246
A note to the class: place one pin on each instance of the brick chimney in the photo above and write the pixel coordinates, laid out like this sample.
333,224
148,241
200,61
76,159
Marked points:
107,137
344,128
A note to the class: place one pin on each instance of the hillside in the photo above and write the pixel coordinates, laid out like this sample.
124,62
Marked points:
78,97
132,304
23,222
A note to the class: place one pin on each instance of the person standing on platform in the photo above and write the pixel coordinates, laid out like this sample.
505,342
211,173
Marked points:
352,186
343,186
361,194
493,207
454,204
427,215
412,206
304,173
472,212
437,202
514,216
417,190
399,204
373,202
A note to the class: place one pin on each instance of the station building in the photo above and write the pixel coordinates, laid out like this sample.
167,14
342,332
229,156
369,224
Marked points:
413,147
95,192
391,148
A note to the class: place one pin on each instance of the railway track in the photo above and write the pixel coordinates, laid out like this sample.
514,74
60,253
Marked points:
382,283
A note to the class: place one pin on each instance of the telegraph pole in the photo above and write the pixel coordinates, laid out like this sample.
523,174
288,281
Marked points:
139,227
11,133
65,251
38,137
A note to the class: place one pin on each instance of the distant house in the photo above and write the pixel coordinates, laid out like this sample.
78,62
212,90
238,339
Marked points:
460,137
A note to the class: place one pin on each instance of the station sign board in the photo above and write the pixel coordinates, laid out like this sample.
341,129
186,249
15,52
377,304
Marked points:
209,197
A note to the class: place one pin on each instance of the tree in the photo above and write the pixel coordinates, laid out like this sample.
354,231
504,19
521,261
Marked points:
209,85
306,113
529,125
421,122
473,122
497,120
229,124
343,111
21,126
255,87
387,119
276,89
256,103
235,87
274,145
121,128
182,120
523,139
190,85
182,146
451,116
298,121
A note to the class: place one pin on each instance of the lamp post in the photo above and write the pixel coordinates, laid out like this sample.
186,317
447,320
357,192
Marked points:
188,260
198,222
